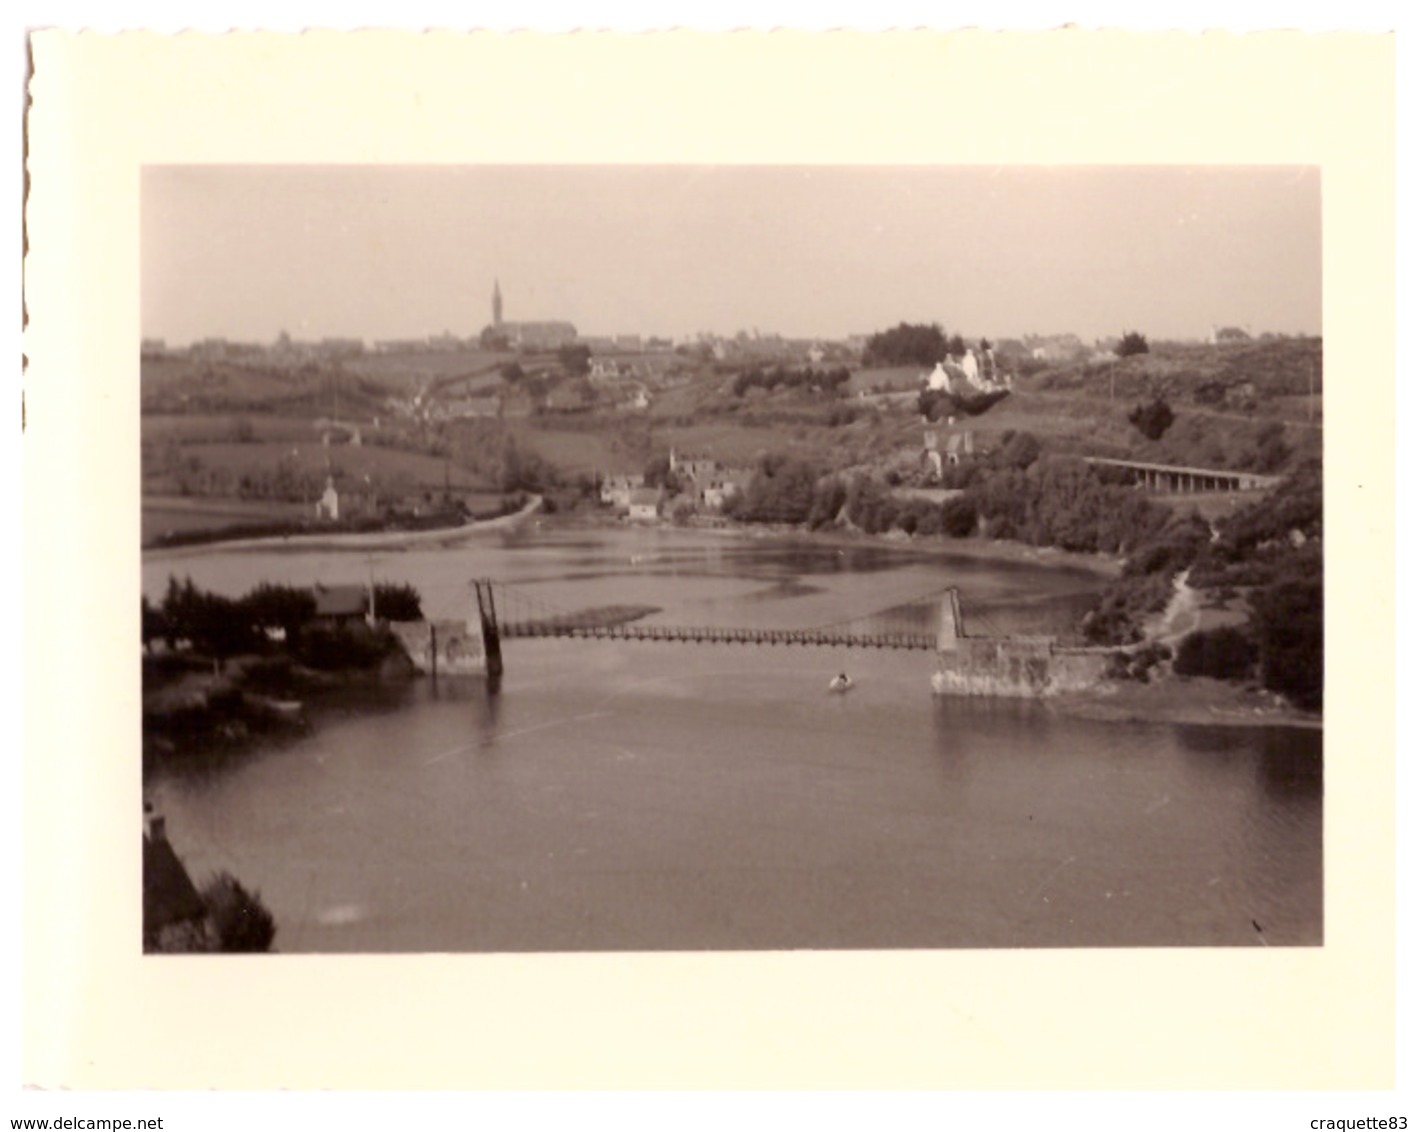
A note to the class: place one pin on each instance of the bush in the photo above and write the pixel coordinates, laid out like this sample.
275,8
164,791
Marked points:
1152,420
397,602
336,647
782,491
958,517
827,500
1021,451
1224,654
907,344
1289,627
279,607
1125,604
241,921
1131,344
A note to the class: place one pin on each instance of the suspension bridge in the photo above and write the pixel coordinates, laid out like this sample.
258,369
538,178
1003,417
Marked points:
992,663
507,612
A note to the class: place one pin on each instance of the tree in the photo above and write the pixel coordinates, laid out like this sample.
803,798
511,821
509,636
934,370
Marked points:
1224,653
827,500
1289,627
1132,343
1021,450
279,607
397,602
575,358
512,373
1152,420
154,623
781,491
906,344
241,921
214,624
958,517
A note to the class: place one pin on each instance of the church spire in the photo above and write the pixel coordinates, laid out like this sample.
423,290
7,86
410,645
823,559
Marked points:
496,303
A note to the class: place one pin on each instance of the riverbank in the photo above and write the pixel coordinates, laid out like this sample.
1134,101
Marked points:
1195,700
371,540
194,706
991,550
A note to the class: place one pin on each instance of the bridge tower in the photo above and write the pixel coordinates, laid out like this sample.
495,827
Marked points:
952,622
492,639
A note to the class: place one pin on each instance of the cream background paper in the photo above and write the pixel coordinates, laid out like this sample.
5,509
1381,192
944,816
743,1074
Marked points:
97,1014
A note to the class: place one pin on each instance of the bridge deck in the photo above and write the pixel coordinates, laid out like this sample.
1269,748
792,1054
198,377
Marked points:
725,636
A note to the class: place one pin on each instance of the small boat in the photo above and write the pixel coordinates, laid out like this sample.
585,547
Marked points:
841,683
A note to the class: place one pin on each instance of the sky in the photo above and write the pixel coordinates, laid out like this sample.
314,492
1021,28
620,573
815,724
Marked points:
376,252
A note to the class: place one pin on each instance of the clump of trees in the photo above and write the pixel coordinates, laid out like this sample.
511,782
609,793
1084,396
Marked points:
1225,653
240,921
223,627
782,490
1132,343
397,601
1152,419
1061,501
1288,621
232,919
831,381
908,344
575,358
1271,550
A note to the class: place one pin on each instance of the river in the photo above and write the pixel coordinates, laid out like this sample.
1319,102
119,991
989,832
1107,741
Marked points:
646,796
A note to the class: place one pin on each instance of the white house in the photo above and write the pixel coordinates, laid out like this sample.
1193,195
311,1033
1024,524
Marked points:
644,505
328,506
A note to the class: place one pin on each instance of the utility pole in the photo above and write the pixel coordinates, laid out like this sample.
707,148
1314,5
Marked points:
369,563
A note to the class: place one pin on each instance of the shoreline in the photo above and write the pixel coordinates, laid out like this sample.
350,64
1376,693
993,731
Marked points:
994,550
372,540
1197,701
1186,700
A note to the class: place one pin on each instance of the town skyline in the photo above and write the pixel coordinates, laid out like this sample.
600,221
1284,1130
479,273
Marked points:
247,253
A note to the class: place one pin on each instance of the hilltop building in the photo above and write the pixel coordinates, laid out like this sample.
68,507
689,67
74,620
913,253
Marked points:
542,335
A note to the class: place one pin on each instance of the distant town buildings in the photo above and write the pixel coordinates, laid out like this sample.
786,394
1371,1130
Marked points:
532,336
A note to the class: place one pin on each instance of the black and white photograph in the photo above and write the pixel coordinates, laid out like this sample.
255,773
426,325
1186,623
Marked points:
761,560
752,558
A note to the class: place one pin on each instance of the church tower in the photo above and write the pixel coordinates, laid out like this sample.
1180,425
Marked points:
496,304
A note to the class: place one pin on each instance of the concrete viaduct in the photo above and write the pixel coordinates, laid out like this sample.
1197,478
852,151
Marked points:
1169,478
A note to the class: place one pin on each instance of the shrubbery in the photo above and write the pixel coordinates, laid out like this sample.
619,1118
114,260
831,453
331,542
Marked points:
1289,627
241,922
781,377
907,344
1225,653
222,627
1062,502
1132,343
397,602
1153,419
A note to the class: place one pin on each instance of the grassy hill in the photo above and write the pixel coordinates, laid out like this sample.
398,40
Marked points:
1273,377
217,428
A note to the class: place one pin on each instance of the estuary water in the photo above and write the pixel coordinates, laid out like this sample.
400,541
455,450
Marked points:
647,796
